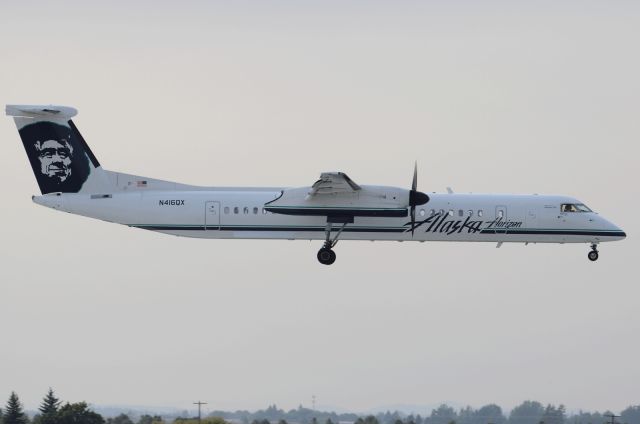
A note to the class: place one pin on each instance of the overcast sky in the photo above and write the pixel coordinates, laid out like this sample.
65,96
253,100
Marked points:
515,97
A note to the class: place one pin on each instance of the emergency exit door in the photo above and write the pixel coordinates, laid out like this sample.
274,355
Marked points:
501,219
212,216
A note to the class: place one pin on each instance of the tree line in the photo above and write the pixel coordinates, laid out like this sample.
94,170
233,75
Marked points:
53,411
528,412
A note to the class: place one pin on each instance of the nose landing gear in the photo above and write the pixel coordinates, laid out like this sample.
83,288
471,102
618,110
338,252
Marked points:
593,255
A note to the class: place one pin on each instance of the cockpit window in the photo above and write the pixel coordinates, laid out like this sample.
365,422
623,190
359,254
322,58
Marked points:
574,207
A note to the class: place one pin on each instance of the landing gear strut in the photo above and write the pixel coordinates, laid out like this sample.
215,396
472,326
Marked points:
326,255
593,255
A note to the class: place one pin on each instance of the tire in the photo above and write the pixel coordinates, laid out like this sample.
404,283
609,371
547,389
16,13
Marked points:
593,255
326,256
333,257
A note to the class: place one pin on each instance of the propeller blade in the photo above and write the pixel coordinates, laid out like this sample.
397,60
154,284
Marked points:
414,186
415,197
413,219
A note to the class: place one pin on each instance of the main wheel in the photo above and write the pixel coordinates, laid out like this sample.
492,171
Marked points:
326,256
593,255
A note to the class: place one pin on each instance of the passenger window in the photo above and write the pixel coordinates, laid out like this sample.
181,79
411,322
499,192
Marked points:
422,212
470,212
255,211
226,209
450,212
432,212
441,212
500,214
236,210
245,210
460,212
480,212
264,211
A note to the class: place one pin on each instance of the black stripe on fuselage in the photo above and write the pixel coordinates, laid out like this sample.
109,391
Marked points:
555,232
386,213
263,228
374,230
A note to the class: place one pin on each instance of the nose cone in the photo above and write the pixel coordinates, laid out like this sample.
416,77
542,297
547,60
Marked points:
613,231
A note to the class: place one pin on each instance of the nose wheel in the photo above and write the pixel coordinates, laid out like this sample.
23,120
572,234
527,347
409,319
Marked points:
593,255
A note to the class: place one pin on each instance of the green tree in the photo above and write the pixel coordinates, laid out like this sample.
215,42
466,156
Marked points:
48,409
631,415
149,419
467,415
528,412
370,419
443,415
272,413
50,403
489,414
582,417
554,415
78,413
13,412
120,419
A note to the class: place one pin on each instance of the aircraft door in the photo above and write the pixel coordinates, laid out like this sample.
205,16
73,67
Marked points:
532,218
212,216
501,219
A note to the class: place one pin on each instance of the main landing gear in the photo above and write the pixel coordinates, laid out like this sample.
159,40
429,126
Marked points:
326,255
593,255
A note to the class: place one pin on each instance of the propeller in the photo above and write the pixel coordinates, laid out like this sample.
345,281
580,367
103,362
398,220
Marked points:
416,197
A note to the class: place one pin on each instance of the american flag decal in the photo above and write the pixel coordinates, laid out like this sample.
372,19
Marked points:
139,184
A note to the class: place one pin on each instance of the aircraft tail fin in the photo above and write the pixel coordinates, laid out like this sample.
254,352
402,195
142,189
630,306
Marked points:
60,157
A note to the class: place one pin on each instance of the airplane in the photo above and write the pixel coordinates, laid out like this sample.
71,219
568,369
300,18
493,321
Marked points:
333,208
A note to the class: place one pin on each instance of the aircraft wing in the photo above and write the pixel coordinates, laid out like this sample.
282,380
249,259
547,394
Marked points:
333,183
340,199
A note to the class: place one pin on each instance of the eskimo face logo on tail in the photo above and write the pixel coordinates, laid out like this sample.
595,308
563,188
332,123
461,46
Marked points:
58,160
55,158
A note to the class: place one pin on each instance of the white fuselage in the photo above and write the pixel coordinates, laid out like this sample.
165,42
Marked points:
227,213
333,207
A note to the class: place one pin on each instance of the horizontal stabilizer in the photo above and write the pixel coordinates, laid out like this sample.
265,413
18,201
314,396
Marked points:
41,111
